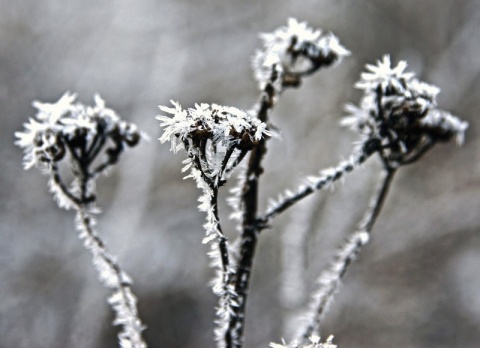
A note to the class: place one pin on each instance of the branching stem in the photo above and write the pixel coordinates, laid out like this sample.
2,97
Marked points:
324,180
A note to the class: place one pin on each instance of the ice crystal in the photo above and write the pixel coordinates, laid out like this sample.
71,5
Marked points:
325,179
293,51
401,112
315,342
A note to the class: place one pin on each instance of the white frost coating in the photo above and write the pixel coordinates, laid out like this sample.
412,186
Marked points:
315,342
223,124
329,281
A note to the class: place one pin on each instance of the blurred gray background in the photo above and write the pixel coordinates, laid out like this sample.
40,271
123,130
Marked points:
416,285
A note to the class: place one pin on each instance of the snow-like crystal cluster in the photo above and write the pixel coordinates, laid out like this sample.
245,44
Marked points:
315,342
216,138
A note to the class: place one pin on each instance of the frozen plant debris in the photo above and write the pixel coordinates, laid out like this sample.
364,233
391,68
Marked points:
294,51
401,113
215,137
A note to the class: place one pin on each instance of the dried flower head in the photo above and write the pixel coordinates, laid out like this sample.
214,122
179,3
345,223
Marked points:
295,50
215,137
401,113
79,133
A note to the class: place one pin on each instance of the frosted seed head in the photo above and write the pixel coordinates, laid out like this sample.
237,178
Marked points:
66,125
293,51
400,112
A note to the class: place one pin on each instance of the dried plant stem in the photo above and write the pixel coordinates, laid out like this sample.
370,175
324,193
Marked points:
122,300
110,274
330,279
223,288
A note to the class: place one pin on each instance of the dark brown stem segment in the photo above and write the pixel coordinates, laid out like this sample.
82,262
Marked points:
330,279
250,226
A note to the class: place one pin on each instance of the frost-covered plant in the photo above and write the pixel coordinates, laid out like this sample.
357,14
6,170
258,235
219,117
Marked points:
211,135
87,140
397,119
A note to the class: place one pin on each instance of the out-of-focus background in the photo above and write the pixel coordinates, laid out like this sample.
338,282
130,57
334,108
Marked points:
416,285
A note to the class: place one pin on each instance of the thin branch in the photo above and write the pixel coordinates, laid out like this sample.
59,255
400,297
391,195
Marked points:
227,301
326,178
428,144
97,144
236,162
330,279
58,180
